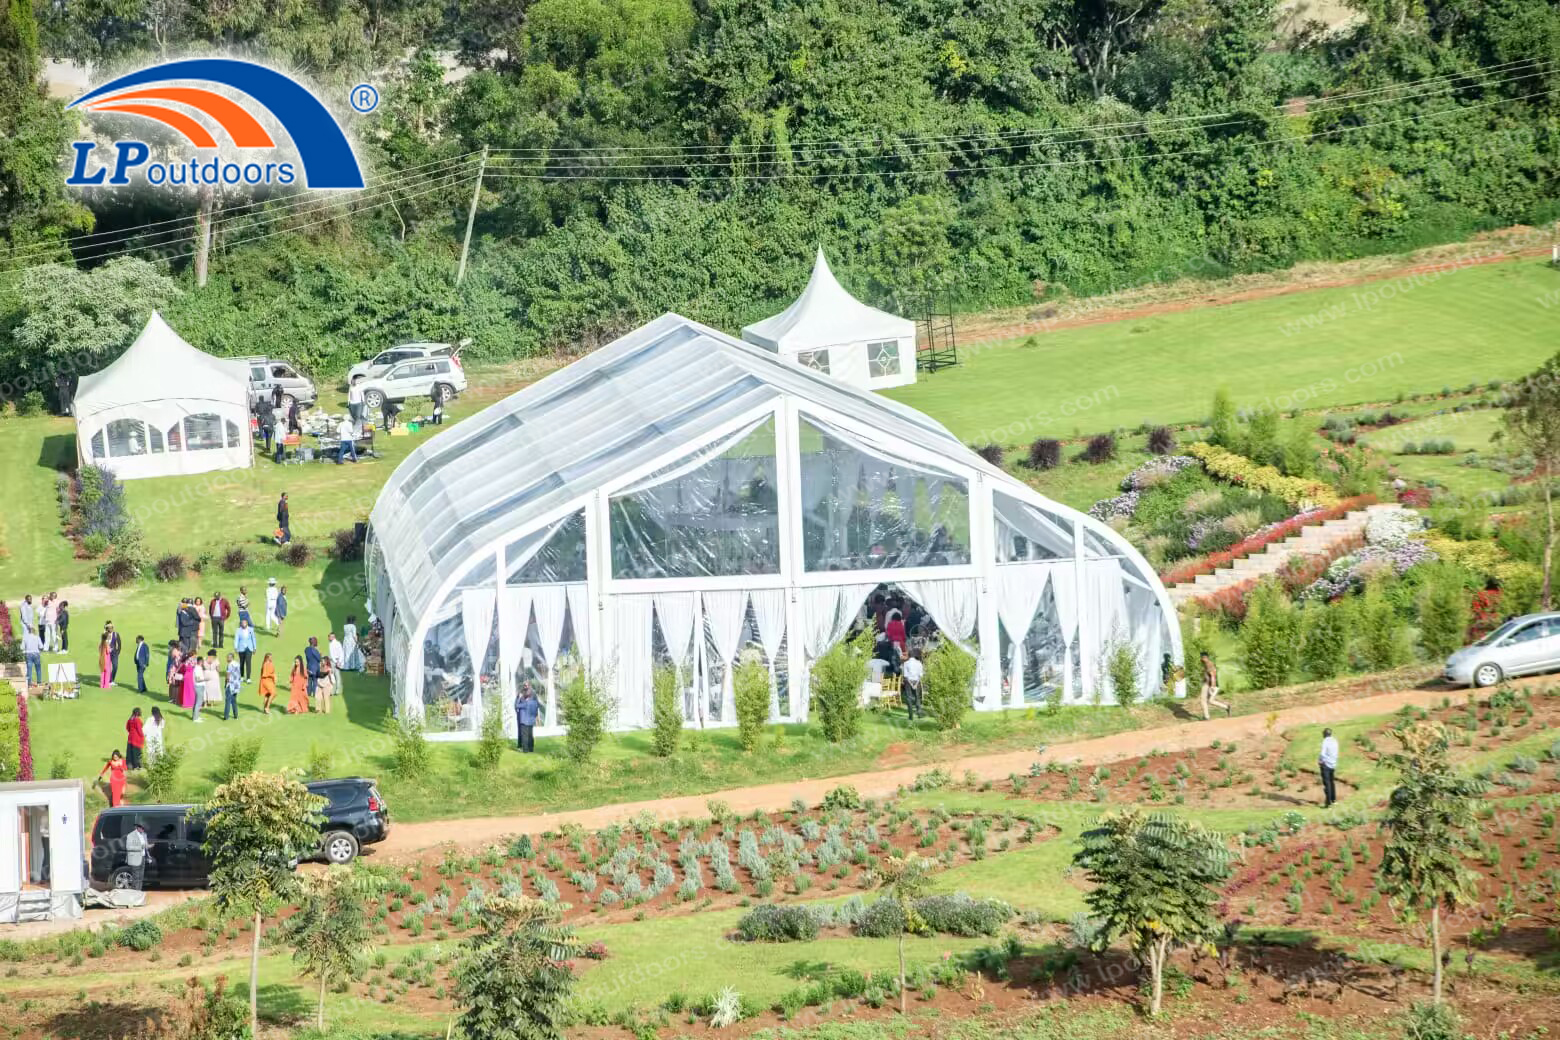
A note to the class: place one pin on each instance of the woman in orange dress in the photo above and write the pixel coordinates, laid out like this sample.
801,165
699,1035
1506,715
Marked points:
115,768
298,702
267,683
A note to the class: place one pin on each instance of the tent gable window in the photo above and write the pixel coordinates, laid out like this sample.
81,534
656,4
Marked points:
817,360
883,358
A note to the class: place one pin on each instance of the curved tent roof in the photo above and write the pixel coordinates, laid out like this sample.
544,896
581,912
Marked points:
655,392
161,366
825,315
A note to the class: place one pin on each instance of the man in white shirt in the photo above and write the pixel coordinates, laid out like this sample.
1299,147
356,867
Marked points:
29,613
270,605
135,855
1327,762
355,399
912,671
346,434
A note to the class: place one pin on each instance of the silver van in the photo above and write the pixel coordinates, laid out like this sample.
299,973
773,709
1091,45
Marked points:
266,374
1526,645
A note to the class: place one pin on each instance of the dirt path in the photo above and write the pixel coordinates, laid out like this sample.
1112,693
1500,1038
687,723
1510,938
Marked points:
408,838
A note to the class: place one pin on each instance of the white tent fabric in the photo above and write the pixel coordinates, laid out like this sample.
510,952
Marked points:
556,456
826,316
514,621
164,408
725,612
769,614
1020,588
677,612
550,602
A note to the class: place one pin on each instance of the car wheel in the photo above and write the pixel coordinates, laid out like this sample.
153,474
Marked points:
1487,675
341,847
122,879
374,400
442,393
288,400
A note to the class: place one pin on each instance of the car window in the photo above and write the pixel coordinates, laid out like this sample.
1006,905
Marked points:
1529,632
161,826
403,372
441,367
279,372
258,372
110,828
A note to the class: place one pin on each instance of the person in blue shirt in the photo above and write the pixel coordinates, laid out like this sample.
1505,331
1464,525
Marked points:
143,658
527,708
311,663
230,690
244,643
281,610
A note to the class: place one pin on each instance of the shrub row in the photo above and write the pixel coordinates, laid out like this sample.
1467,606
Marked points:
1237,469
956,914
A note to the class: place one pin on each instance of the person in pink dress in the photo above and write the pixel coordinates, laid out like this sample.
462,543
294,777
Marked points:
105,664
190,695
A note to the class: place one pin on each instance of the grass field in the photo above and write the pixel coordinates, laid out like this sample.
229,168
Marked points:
1315,349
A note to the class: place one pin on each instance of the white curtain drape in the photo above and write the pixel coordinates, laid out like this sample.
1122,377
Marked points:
1147,625
677,611
1105,608
725,612
1064,590
476,620
579,620
550,602
634,659
827,613
769,613
514,620
953,604
1019,589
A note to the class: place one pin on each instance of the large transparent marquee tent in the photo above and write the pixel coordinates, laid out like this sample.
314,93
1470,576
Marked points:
682,498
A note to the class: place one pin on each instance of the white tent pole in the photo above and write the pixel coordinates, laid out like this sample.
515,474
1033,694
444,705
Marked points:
789,463
988,675
598,565
1085,629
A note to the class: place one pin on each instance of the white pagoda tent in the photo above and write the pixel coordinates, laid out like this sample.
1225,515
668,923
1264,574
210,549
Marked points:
829,330
680,497
163,409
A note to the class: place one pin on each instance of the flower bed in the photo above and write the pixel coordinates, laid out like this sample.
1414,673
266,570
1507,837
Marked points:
1237,469
1300,573
1276,532
1352,571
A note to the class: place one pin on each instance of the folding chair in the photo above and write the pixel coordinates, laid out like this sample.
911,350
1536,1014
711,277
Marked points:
891,691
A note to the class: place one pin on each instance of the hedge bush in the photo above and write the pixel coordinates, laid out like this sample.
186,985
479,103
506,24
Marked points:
1045,453
139,936
956,914
770,923
1237,469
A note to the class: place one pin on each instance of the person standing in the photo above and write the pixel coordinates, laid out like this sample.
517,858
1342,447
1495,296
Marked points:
244,642
293,423
190,691
266,415
346,440
1210,687
62,618
283,520
220,611
211,681
175,670
143,658
113,652
910,689
527,707
1327,763
355,399
324,687
270,605
51,625
298,689
337,655
311,660
115,768
352,657
199,607
32,654
136,844
29,614
135,739
242,603
104,664
267,684
230,690
154,736
188,627
281,610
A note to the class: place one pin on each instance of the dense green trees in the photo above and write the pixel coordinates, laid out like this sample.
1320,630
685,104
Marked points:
991,150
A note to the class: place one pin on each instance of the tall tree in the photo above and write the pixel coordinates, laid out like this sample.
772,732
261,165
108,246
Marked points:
1532,426
256,828
330,933
1156,881
1430,825
35,213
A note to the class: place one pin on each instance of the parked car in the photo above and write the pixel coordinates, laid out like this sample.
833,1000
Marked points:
355,815
265,374
385,359
1522,646
440,378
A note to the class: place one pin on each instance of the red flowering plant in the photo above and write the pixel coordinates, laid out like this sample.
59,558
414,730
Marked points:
7,633
24,770
1485,613
1415,498
1276,532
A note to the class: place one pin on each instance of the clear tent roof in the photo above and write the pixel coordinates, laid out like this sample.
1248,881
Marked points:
646,397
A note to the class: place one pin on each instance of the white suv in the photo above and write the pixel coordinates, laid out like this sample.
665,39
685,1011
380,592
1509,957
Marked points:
381,362
440,378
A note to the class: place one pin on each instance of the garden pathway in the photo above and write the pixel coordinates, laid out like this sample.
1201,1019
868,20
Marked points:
1329,539
409,838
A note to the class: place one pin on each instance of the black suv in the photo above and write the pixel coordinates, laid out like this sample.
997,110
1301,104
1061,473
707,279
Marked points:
355,815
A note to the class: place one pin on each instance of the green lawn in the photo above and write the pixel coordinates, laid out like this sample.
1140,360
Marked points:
34,557
1312,350
1467,431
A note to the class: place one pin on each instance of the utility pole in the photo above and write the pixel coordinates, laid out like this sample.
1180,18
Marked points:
203,235
471,216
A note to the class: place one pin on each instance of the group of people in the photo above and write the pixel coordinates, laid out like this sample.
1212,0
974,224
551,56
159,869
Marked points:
902,629
144,744
45,630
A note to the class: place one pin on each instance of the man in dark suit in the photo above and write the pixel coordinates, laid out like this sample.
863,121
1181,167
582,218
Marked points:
143,658
189,627
311,663
114,645
283,520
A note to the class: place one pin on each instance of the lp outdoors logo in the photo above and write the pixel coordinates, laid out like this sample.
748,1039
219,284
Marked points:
322,148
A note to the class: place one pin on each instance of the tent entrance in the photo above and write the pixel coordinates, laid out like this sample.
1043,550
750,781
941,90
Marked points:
33,847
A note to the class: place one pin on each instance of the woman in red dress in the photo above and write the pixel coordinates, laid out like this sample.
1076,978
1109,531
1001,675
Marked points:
135,739
115,768
895,630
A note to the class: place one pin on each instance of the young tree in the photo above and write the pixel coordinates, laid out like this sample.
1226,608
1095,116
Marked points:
1384,641
1444,613
948,684
750,683
1430,825
586,706
1156,884
257,825
1221,426
1532,426
330,932
666,711
1261,443
903,879
836,686
513,981
1269,637
1325,652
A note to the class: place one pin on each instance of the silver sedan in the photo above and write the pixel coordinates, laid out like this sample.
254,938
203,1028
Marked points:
1526,645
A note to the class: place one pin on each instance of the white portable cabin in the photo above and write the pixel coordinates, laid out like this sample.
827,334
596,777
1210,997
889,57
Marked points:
682,495
41,857
830,331
164,409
